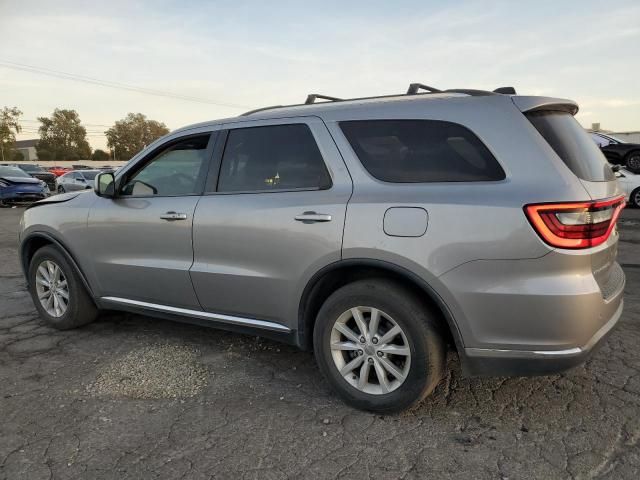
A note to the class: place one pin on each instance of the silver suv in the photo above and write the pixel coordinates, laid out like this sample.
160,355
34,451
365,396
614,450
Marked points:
377,231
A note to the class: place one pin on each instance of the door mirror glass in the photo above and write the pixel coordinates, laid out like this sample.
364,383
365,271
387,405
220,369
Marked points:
105,184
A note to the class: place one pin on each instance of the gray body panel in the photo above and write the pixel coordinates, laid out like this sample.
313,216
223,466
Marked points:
251,257
244,256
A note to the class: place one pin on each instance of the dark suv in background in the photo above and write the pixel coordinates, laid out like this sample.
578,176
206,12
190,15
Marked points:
618,151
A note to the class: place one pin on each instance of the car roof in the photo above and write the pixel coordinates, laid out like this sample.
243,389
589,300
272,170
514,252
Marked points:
523,102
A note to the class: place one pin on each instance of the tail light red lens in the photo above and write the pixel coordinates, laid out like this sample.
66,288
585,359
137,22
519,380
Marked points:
575,224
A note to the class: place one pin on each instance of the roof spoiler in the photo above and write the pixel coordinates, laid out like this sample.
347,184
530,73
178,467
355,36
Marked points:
533,104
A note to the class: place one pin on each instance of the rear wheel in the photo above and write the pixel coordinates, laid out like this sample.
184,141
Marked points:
633,161
57,291
378,346
634,198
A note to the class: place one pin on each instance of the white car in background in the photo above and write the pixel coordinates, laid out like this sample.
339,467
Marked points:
630,183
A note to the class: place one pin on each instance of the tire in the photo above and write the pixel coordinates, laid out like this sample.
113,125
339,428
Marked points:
632,161
80,308
61,189
419,332
634,198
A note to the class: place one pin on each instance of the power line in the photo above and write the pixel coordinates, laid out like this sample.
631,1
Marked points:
106,83
83,124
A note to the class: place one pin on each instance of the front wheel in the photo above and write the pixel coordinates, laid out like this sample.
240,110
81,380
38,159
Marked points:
61,189
58,292
379,346
633,162
634,198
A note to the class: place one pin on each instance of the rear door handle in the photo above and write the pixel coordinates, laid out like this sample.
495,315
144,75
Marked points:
173,216
313,217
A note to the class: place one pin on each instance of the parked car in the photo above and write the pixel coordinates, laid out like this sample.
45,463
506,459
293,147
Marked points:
76,180
36,171
19,188
378,232
619,152
630,183
58,170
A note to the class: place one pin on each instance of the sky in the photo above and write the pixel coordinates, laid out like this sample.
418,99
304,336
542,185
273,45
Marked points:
241,54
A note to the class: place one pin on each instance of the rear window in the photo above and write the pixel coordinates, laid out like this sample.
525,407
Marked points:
421,151
573,145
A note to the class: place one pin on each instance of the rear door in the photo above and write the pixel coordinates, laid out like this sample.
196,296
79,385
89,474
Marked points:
142,239
271,219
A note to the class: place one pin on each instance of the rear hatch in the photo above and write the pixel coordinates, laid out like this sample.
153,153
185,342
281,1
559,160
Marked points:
554,121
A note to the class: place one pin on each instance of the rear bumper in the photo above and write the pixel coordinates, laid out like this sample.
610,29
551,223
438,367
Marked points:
498,362
533,316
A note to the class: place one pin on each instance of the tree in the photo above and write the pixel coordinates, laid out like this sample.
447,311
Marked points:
9,128
100,155
131,134
18,156
62,137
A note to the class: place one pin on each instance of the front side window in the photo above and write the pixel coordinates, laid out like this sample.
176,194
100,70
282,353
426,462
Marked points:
271,158
176,170
421,151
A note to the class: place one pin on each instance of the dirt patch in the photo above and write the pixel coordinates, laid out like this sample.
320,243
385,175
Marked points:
155,371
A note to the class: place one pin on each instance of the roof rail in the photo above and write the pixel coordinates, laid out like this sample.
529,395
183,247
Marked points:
260,110
311,98
415,87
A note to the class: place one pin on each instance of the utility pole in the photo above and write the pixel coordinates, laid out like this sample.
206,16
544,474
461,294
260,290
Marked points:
4,140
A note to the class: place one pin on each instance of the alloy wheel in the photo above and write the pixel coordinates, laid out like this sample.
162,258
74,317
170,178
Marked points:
370,350
634,162
52,288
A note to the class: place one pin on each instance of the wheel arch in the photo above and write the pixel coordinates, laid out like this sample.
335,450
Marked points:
333,276
35,241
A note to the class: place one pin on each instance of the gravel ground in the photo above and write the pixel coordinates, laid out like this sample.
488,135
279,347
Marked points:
138,397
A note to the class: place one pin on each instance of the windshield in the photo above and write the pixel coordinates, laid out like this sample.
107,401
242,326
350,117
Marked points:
90,175
572,144
611,137
12,172
30,168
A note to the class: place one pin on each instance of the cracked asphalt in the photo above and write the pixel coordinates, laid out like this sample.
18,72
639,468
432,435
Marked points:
261,410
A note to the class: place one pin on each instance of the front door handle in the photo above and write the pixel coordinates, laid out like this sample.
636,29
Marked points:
313,217
173,216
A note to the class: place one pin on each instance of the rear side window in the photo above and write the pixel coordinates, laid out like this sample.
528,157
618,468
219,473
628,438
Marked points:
272,158
573,145
419,151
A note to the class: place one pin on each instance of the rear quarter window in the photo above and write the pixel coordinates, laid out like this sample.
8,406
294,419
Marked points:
572,144
421,151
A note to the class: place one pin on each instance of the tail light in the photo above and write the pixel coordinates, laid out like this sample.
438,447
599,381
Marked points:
575,224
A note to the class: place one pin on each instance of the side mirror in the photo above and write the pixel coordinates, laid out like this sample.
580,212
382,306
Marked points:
619,175
615,168
105,185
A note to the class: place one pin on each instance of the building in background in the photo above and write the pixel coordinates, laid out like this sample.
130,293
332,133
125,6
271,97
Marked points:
27,148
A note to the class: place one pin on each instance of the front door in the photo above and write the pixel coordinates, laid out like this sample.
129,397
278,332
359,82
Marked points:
272,218
142,239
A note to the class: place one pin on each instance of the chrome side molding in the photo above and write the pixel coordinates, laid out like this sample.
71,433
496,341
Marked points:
250,322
